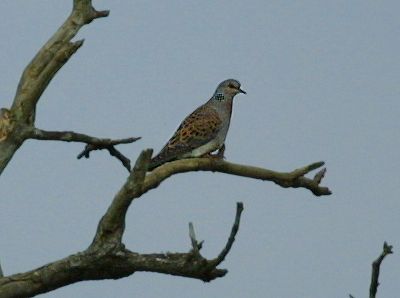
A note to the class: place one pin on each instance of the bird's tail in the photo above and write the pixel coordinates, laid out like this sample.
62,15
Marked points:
155,162
161,158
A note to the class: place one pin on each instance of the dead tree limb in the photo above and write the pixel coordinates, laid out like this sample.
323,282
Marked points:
107,257
294,179
376,265
17,123
50,58
107,242
93,143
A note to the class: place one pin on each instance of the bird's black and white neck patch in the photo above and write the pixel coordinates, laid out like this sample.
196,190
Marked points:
219,96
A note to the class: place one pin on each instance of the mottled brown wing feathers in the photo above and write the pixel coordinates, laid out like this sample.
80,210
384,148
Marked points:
197,129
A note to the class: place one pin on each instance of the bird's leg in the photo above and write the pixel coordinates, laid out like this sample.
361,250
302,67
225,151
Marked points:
218,155
220,152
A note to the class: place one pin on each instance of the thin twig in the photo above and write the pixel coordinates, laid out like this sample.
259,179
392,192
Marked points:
126,162
319,176
231,239
93,143
387,249
1,272
71,136
195,244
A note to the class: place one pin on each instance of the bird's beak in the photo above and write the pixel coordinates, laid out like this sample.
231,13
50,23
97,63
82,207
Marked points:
242,91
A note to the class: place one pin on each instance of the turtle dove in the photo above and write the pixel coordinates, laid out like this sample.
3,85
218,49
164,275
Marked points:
204,130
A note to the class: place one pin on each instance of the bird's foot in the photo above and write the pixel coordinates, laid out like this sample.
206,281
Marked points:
218,155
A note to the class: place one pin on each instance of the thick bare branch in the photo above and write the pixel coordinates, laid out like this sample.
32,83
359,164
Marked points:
50,58
11,137
104,261
107,257
103,264
36,77
293,179
376,265
111,226
138,183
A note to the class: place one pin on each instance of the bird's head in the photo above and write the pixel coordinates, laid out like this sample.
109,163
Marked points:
228,89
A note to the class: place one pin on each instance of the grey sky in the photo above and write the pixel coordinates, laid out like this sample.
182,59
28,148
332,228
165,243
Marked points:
323,84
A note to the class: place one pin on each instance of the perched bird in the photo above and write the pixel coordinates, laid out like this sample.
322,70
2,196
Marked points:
204,130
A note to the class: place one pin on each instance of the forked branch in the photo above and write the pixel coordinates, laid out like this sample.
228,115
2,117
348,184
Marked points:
92,143
16,121
106,259
294,179
376,265
50,58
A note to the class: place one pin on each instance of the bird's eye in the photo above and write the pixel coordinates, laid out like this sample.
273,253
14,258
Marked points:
231,86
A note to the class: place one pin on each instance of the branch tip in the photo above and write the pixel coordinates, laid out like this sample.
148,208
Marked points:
196,246
143,160
294,179
239,206
320,174
387,249
317,165
78,43
373,289
138,173
309,168
102,13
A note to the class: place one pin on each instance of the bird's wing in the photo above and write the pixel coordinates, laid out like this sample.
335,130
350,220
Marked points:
197,129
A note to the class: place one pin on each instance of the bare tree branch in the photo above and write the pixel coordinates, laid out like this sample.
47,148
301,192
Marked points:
93,143
293,179
70,136
196,246
235,228
376,265
107,258
50,58
112,224
36,77
126,162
